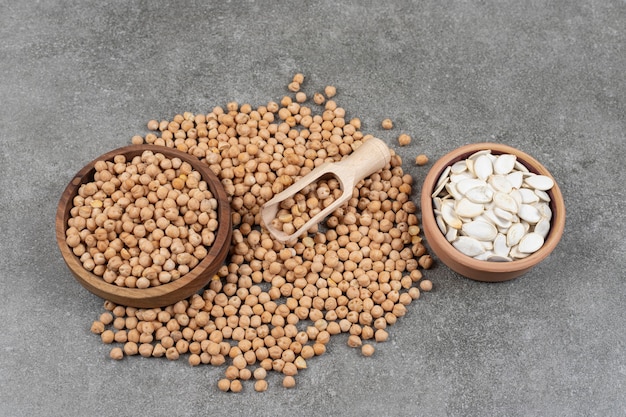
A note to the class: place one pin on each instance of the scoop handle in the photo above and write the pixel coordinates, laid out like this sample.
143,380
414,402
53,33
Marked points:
372,156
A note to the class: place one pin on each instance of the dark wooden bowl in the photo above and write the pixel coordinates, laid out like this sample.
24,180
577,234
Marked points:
165,294
470,267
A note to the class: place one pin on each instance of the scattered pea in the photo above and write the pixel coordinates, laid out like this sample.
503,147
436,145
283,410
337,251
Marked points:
381,335
301,97
367,350
97,327
421,159
425,261
404,139
153,125
387,124
235,385
106,318
116,354
298,78
289,381
260,373
426,285
107,336
131,348
260,385
272,306
354,341
223,384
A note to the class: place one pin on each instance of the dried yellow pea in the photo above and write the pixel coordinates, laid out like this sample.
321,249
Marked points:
421,159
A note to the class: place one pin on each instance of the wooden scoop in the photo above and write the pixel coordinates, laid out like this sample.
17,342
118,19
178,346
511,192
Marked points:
372,156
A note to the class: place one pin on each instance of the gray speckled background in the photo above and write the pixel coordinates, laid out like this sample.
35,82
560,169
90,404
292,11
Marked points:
81,78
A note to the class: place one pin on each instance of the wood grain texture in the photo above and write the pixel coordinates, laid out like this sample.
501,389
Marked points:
165,294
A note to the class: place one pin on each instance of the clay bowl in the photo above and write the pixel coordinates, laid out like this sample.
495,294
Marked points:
165,294
485,270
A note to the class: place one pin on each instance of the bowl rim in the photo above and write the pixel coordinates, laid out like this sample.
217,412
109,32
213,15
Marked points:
164,294
438,240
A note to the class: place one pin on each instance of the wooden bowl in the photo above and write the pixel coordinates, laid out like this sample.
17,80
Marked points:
165,294
485,270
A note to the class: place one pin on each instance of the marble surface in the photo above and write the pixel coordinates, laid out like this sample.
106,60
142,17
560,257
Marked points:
81,78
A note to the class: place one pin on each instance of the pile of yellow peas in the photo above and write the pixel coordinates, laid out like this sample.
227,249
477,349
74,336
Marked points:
273,307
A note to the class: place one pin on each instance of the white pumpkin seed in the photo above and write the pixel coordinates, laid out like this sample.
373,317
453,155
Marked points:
498,258
520,167
468,246
487,245
504,164
441,182
451,189
504,230
466,208
452,234
544,210
439,188
479,195
484,218
515,178
483,256
500,246
437,203
505,202
528,196
500,183
543,227
450,217
475,155
470,165
530,243
460,177
516,254
515,233
480,230
539,182
496,220
503,214
441,224
443,178
483,167
465,219
529,213
458,167
468,184
543,196
517,197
